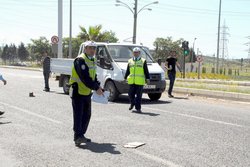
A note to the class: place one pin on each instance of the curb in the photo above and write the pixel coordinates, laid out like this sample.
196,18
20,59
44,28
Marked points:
239,83
22,68
214,94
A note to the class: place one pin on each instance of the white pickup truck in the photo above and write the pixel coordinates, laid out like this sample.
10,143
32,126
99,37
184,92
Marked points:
112,63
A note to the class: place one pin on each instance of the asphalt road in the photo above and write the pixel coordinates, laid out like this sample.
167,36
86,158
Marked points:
193,131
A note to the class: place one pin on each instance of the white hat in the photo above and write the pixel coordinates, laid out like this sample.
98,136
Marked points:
136,49
89,43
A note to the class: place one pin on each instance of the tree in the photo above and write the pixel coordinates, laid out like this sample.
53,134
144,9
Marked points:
5,53
76,42
94,33
164,45
22,52
108,36
38,46
12,53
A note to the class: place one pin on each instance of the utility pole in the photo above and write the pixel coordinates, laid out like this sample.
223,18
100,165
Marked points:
70,30
135,22
248,50
224,40
218,40
60,23
192,56
135,12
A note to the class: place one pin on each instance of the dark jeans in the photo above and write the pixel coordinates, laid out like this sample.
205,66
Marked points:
81,114
171,76
46,79
135,90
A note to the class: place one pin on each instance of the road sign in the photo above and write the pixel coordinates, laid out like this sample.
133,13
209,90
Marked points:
54,39
199,58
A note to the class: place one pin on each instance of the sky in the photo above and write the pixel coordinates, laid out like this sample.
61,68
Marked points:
22,20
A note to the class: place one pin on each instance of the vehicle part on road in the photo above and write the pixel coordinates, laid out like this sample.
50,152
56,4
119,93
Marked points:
110,86
154,96
66,84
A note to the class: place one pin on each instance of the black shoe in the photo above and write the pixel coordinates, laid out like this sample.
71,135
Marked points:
1,112
138,111
81,140
170,96
46,89
131,106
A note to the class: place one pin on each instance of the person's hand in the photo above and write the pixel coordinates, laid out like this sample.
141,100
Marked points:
168,68
99,91
148,81
4,82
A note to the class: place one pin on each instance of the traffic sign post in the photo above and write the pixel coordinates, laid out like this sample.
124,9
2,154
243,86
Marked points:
199,60
54,49
54,39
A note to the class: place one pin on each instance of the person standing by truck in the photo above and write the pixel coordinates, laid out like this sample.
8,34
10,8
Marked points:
4,82
46,70
83,80
170,65
136,75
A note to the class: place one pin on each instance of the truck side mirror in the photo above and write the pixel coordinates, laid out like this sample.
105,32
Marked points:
102,61
159,61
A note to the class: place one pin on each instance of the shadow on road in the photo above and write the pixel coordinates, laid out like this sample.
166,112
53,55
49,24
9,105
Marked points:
146,113
56,92
100,147
125,100
2,123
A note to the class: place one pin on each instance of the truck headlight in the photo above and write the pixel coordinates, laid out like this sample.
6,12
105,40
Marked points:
163,76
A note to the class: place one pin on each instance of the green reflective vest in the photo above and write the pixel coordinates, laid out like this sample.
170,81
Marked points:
82,88
136,70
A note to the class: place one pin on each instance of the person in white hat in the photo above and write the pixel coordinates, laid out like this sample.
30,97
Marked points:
83,80
4,82
137,75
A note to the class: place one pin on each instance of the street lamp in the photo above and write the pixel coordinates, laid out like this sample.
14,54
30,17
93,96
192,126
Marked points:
192,55
135,13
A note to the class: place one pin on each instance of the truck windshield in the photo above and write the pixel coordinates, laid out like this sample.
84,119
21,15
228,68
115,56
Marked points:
121,53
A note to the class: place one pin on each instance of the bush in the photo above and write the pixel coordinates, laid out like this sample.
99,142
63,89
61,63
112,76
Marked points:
204,70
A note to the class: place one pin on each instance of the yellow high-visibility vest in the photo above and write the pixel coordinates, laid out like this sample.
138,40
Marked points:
136,70
82,88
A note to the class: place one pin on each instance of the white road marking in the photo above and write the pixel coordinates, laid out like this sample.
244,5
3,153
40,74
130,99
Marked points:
154,158
31,113
196,117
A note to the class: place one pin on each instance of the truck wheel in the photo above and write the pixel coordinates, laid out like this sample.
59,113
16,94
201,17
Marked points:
110,86
65,84
154,96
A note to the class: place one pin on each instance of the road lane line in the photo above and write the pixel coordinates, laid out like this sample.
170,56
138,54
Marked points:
197,117
31,113
155,158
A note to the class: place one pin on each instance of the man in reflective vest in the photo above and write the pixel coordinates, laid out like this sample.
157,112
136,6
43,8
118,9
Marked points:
83,80
136,75
4,82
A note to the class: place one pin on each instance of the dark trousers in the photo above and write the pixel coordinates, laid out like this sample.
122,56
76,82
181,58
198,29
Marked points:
135,90
46,79
171,76
81,114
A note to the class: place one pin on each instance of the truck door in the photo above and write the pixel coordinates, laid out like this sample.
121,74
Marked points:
104,65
